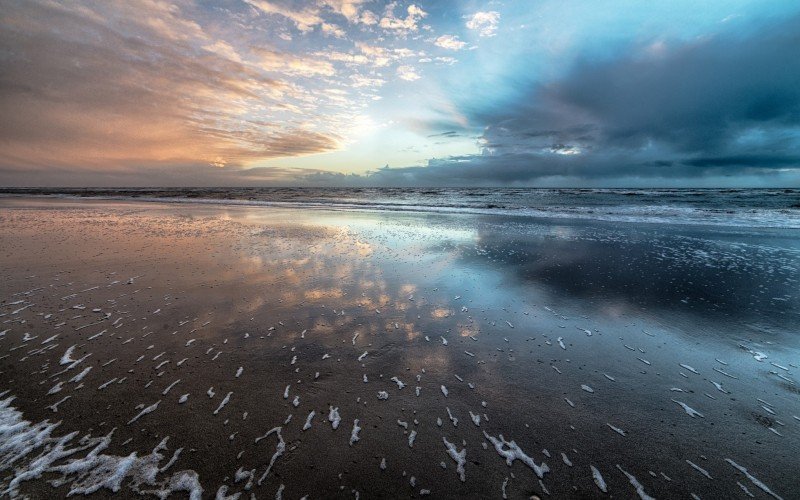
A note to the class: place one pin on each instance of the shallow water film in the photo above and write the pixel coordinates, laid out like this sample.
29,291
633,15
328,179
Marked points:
201,350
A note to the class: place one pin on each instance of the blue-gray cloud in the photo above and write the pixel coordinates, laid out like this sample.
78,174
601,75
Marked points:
716,107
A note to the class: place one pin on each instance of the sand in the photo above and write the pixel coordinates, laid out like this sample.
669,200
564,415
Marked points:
446,355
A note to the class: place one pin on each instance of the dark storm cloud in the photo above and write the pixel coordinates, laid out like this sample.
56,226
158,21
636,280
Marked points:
722,106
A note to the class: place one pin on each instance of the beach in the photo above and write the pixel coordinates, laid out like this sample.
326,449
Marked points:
339,352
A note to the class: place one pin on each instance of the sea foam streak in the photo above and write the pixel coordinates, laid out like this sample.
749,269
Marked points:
31,451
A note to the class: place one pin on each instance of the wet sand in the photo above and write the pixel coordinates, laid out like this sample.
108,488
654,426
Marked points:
637,359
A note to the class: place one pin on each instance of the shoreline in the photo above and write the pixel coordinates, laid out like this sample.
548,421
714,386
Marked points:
778,219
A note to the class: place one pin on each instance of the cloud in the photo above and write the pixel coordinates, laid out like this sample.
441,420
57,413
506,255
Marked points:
722,109
86,90
354,59
405,25
380,56
347,8
718,96
407,73
293,64
369,18
105,87
311,15
450,42
224,49
164,175
485,23
332,29
364,81
304,19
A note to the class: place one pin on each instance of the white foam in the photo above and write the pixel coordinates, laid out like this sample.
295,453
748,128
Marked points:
745,490
753,479
310,417
96,335
460,457
169,387
106,384
149,409
54,406
617,430
223,403
476,419
725,373
280,448
719,387
514,452
636,484
688,409
81,375
66,358
699,469
452,418
334,418
36,452
354,437
55,389
598,479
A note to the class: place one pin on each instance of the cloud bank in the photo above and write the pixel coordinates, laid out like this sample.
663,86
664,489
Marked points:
148,92
719,107
114,87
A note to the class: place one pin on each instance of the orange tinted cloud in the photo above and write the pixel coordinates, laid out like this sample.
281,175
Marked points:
101,86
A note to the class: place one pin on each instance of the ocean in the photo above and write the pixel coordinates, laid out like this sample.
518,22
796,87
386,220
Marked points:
777,207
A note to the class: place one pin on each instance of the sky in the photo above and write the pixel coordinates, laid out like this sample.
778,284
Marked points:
423,93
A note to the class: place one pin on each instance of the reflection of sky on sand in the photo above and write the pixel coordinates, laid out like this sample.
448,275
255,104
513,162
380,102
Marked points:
698,298
504,293
634,276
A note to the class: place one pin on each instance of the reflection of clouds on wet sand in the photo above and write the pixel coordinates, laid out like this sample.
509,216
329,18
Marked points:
238,323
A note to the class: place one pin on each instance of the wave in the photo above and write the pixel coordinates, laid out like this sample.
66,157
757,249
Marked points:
769,208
